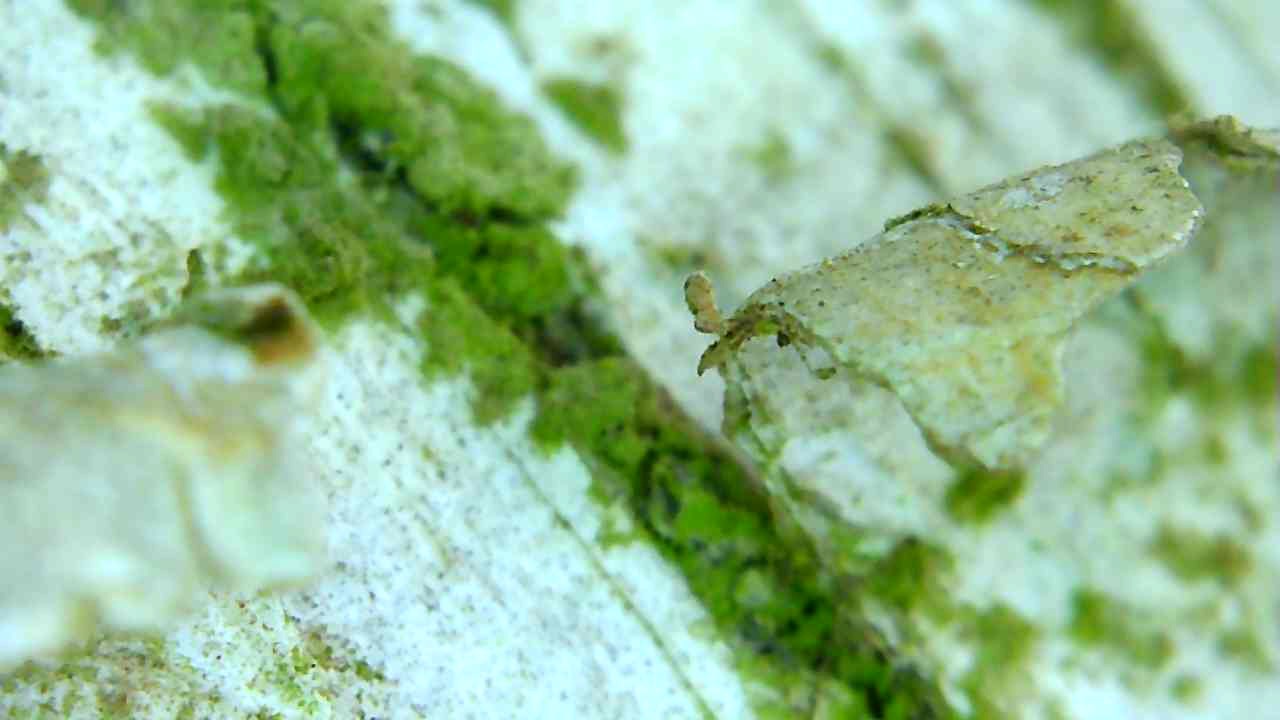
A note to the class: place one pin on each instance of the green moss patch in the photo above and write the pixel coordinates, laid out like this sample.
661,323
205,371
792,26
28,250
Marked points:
218,37
1260,373
912,576
765,587
341,248
23,179
16,341
977,494
334,67
378,173
1195,556
1241,372
462,337
1117,629
519,272
1004,642
595,108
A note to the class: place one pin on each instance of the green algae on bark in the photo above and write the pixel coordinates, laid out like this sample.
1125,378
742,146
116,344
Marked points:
462,337
372,174
977,494
1208,325
761,581
23,179
1244,645
595,108
519,272
379,172
16,340
335,66
317,232
1193,555
1101,621
356,147
912,577
1004,642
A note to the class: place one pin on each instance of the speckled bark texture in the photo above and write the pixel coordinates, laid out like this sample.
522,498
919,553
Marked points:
961,308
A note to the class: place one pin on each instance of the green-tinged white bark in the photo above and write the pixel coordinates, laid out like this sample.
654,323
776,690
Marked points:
1134,541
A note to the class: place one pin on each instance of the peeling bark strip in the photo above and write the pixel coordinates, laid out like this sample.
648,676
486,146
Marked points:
133,482
961,308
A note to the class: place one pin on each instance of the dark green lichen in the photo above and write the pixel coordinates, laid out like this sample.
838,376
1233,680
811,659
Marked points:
461,337
16,341
977,494
341,248
519,272
911,577
595,108
1260,373
1194,556
23,179
762,583
1117,629
334,68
